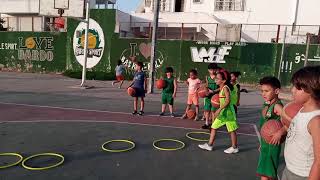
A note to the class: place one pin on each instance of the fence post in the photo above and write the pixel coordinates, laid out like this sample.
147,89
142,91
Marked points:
307,50
278,33
282,51
181,35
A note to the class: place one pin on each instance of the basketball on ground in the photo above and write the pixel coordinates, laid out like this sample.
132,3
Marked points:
191,114
131,91
289,112
161,84
269,128
203,92
215,101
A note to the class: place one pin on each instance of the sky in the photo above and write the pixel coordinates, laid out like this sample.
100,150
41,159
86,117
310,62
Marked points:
128,5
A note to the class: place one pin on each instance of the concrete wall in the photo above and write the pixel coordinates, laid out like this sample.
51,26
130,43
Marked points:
260,12
19,6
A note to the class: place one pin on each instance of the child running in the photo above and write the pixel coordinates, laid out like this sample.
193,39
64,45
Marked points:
209,110
120,68
169,92
272,108
193,85
302,147
235,98
139,83
225,115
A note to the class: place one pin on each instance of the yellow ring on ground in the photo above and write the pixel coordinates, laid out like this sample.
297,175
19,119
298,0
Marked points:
196,139
168,149
42,168
13,164
133,145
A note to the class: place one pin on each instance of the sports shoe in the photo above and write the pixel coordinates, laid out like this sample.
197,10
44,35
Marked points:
161,114
203,118
205,146
134,112
140,113
196,118
112,83
172,115
231,150
205,126
184,116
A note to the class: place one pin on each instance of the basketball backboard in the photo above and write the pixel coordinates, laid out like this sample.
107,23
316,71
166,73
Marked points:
72,8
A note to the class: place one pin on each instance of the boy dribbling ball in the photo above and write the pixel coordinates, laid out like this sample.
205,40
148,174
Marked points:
169,92
270,153
139,83
209,110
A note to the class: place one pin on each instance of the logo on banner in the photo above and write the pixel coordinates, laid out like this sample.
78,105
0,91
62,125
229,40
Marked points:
212,55
96,43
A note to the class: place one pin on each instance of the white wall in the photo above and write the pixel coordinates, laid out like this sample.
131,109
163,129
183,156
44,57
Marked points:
309,12
122,21
261,12
206,6
19,6
75,8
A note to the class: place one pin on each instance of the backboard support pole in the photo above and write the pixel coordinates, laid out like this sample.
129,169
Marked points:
84,67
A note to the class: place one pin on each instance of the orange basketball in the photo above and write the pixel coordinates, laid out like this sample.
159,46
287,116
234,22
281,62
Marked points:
289,112
269,128
191,114
131,91
215,101
161,84
203,92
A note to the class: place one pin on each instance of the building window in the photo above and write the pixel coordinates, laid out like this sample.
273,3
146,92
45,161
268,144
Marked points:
229,5
197,1
163,4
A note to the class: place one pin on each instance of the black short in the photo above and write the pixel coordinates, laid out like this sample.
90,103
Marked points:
139,92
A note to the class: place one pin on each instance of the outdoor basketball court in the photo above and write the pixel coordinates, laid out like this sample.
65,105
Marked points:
43,113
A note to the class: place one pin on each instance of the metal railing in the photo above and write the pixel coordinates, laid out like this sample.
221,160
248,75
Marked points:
263,33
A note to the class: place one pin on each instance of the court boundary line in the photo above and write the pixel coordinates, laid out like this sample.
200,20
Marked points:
87,110
257,132
118,122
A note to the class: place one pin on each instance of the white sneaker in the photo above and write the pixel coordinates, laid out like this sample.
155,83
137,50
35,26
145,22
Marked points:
205,146
231,150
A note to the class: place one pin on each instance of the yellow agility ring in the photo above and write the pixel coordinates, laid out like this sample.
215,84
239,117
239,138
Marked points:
42,168
133,145
188,135
13,164
168,149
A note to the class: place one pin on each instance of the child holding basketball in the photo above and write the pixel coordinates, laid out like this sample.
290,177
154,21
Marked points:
302,147
139,83
225,115
120,68
235,100
213,88
193,83
272,108
169,92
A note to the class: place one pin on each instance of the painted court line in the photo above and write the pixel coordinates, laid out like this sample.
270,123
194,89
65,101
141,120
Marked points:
257,132
87,110
118,122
